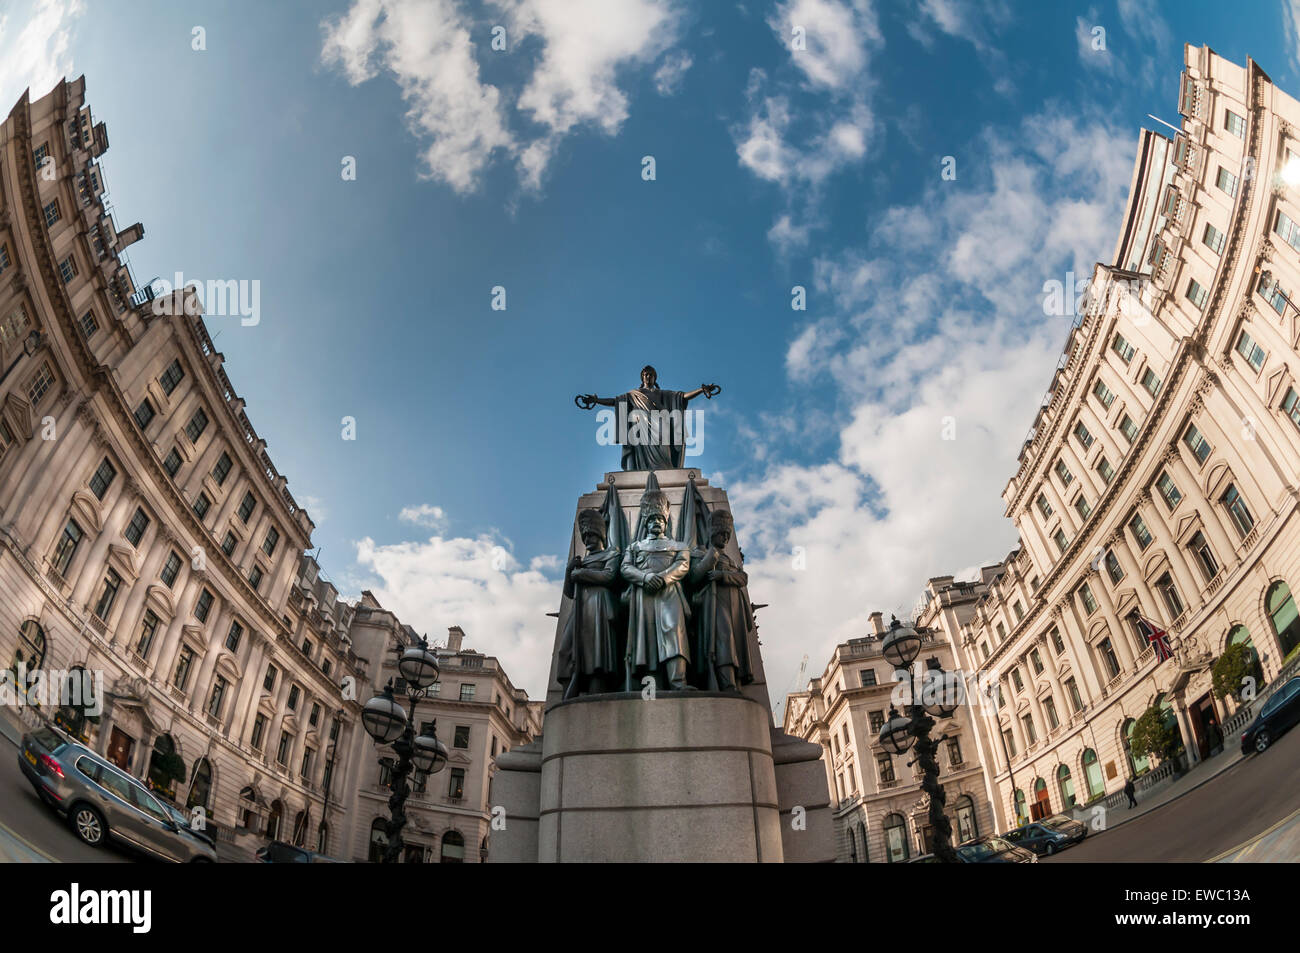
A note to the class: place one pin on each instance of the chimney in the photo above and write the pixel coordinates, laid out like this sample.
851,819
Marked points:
455,635
878,623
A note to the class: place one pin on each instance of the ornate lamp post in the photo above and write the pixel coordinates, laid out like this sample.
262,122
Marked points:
938,698
385,721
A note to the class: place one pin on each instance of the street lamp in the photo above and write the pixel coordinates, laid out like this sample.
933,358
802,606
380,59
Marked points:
937,698
31,344
384,720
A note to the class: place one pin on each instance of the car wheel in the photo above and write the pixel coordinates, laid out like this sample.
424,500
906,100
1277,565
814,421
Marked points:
1051,849
1262,741
89,825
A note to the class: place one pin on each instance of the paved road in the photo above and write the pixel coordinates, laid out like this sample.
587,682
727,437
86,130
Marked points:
30,831
1242,802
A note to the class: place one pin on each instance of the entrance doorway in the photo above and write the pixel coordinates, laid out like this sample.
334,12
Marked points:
120,745
1206,728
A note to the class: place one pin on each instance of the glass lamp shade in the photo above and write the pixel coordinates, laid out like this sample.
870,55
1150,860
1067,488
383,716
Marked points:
418,665
383,718
896,734
941,693
901,646
430,754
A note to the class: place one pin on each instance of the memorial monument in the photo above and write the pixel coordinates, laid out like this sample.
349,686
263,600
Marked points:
657,741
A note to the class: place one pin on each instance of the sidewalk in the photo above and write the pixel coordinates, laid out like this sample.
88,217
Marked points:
1280,844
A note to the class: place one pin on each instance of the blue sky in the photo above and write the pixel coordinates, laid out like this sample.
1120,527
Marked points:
522,168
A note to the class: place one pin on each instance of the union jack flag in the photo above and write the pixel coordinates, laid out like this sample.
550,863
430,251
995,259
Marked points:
1156,636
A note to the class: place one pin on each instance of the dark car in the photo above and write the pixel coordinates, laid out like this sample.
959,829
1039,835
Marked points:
1279,713
995,850
1048,835
278,852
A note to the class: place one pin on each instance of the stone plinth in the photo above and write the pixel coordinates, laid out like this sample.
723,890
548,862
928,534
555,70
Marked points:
684,777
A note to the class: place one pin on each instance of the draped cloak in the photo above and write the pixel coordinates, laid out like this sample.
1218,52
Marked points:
655,437
724,617
656,630
588,643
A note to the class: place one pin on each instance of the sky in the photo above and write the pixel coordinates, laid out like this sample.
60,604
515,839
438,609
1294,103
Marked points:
636,181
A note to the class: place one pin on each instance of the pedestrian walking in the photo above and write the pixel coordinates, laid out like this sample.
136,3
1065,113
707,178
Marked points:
1129,791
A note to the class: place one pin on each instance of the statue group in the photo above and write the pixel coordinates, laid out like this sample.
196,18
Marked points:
660,606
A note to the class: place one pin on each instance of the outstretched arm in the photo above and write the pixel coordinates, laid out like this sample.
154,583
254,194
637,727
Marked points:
708,390
588,401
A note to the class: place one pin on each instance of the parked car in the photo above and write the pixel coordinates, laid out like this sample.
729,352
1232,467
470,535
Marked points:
995,850
1279,713
1048,835
103,802
278,852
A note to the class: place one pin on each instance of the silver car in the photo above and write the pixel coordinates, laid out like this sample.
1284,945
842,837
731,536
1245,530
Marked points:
101,801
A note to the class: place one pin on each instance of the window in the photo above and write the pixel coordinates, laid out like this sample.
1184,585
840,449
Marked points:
1196,443
1213,238
1113,568
1109,660
234,635
1018,609
282,752
1138,527
885,768
1234,124
1252,352
1088,599
222,469
1282,615
102,479
1017,680
112,582
1076,700
314,718
218,693
202,505
1044,507
1289,405
1009,739
1227,182
1002,633
1049,709
1272,292
246,507
306,647
40,154
1122,348
228,544
88,324
456,784
868,677
1031,735
272,538
1081,507
1168,489
1204,556
306,762
172,463
1105,470
40,384
148,628
954,752
1173,602
203,606
1236,507
984,650
1103,393
170,569
1062,543
1058,644
1287,229
1128,428
135,529
68,269
293,698
877,721
467,691
198,423
4,257
184,663
1081,434
268,683
259,730
255,576
1063,473
67,548
144,414
1151,382
461,737
171,377
1036,660
52,213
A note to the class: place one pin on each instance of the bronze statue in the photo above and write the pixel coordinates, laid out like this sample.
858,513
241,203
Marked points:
724,617
655,565
588,658
651,422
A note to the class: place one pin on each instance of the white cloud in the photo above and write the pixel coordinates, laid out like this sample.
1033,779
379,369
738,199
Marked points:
430,48
476,584
787,236
315,508
34,42
838,38
1084,38
1291,29
424,514
672,73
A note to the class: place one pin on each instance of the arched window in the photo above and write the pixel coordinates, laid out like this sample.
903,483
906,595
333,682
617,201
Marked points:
1092,774
862,835
453,848
853,845
1282,613
1065,784
1240,635
248,807
1022,810
30,652
322,838
1171,720
200,785
301,825
1136,766
378,840
274,821
967,825
76,699
166,767
1042,800
896,838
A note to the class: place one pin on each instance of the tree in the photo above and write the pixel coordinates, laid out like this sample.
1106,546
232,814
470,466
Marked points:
1154,734
1232,668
